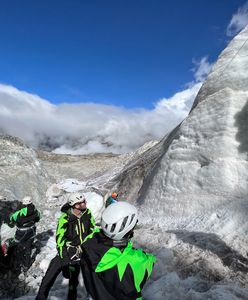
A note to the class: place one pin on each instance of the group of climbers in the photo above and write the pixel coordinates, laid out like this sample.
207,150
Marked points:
111,267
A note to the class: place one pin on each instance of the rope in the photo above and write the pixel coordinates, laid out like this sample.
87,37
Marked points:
228,64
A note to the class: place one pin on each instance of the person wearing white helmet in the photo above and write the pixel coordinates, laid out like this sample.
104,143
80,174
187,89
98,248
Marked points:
26,216
118,271
26,200
75,226
25,219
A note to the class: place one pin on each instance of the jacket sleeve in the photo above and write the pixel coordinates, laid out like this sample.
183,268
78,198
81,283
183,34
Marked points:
17,217
93,249
11,221
148,260
37,216
61,238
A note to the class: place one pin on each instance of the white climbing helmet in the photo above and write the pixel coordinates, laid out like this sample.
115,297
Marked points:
76,198
26,200
118,219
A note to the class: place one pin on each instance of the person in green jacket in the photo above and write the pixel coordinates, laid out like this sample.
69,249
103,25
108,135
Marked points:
21,245
118,270
75,225
25,219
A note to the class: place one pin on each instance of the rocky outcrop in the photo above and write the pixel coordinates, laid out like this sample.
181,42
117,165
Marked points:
21,172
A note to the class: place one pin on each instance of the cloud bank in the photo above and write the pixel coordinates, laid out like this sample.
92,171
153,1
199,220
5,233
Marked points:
239,21
89,127
201,69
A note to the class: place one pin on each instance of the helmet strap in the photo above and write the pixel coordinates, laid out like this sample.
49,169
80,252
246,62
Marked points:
121,243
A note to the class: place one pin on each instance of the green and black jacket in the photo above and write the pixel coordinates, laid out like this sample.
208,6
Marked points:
25,217
73,231
117,272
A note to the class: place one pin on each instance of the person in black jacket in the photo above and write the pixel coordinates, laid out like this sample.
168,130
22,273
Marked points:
25,220
118,271
75,226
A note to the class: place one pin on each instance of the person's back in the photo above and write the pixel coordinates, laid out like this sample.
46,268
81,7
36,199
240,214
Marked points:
119,270
25,220
25,217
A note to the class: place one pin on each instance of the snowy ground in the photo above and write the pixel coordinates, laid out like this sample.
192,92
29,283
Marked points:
190,265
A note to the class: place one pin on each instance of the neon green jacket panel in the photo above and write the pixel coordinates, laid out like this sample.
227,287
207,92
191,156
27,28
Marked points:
18,213
140,262
73,231
25,217
60,234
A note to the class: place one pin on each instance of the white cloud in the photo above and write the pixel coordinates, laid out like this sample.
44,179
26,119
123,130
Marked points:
239,21
89,127
201,69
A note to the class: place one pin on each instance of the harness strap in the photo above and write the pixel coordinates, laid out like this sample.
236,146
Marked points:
25,228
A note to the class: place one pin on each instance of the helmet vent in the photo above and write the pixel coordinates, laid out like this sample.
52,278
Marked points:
118,220
124,222
133,215
113,227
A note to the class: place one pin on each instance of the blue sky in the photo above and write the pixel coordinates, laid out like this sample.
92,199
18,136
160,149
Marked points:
125,53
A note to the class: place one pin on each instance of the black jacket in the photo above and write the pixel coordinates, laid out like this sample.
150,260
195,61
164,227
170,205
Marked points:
72,231
117,271
25,217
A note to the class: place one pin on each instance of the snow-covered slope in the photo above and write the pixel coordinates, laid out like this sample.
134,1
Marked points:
230,70
192,189
204,169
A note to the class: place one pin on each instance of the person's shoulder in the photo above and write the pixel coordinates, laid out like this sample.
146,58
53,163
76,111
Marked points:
65,208
89,213
140,254
16,212
31,207
63,216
